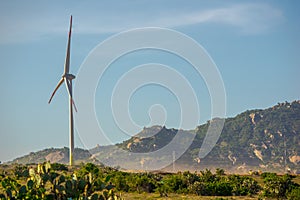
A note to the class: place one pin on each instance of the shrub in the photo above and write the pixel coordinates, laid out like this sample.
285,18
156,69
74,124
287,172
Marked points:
175,183
59,167
277,186
243,185
294,194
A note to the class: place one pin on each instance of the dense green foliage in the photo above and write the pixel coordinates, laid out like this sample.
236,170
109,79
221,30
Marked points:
280,186
98,182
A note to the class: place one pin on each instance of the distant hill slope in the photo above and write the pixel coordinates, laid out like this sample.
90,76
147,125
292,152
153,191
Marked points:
259,139
59,155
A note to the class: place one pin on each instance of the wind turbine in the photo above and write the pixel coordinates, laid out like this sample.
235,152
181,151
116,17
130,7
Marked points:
67,78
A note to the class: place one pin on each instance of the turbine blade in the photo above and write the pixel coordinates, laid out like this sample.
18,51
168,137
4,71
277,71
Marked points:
74,105
67,62
69,88
58,85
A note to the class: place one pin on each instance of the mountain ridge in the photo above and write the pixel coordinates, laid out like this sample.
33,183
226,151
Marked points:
260,139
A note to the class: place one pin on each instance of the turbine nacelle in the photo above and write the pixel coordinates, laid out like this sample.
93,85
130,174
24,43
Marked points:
68,76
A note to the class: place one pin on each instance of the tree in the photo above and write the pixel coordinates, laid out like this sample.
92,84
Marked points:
277,186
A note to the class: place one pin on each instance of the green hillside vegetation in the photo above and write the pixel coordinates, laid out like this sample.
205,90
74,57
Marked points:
267,138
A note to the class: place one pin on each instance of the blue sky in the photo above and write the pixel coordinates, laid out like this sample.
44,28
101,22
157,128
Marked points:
255,45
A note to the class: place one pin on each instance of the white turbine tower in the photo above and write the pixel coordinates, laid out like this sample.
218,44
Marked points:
67,78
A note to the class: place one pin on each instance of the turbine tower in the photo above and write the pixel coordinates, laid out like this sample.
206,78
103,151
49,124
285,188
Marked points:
67,78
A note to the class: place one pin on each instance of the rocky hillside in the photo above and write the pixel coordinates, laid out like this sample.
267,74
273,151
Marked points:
267,140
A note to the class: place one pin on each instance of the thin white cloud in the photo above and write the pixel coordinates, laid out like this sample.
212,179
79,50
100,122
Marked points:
245,18
248,18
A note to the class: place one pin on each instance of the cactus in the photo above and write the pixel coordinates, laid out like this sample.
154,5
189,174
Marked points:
61,179
9,193
21,171
47,167
94,197
45,183
30,184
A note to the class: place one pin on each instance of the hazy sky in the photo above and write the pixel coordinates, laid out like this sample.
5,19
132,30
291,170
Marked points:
254,44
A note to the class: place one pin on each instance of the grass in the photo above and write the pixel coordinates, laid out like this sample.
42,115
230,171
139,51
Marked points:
156,196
